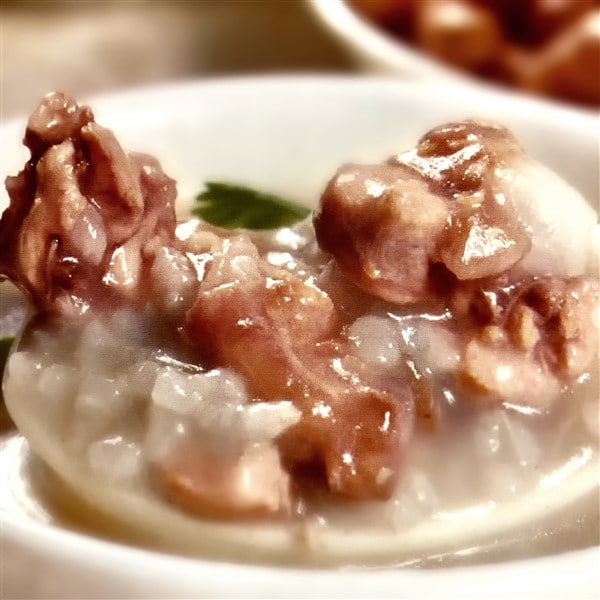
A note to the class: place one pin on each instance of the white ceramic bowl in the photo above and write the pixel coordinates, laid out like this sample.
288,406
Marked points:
286,135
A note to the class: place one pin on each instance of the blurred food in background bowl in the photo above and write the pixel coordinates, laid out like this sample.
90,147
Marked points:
544,47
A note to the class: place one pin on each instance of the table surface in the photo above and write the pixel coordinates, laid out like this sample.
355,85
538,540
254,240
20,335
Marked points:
97,46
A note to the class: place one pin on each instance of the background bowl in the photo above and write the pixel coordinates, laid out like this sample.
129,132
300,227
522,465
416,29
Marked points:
286,135
553,53
376,51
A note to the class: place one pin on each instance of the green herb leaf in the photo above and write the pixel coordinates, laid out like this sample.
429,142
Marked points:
233,206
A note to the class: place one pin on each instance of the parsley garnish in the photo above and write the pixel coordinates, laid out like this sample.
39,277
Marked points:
234,206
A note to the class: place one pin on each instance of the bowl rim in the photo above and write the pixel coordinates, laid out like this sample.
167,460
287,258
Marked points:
362,82
570,574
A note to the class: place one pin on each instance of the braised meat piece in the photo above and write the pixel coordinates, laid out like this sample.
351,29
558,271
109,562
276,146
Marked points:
524,340
388,225
282,334
84,216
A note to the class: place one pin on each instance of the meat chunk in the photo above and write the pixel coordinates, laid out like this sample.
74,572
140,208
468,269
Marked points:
382,228
84,217
56,119
525,341
388,225
557,320
281,333
215,485
504,374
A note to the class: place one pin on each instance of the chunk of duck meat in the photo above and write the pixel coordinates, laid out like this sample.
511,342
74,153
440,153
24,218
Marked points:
382,229
554,317
503,204
211,484
84,217
281,332
525,341
57,118
504,373
557,320
465,197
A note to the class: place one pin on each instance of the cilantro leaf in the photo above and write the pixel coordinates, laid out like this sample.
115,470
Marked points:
232,206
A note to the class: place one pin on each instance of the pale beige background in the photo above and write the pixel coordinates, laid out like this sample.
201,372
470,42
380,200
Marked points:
95,46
